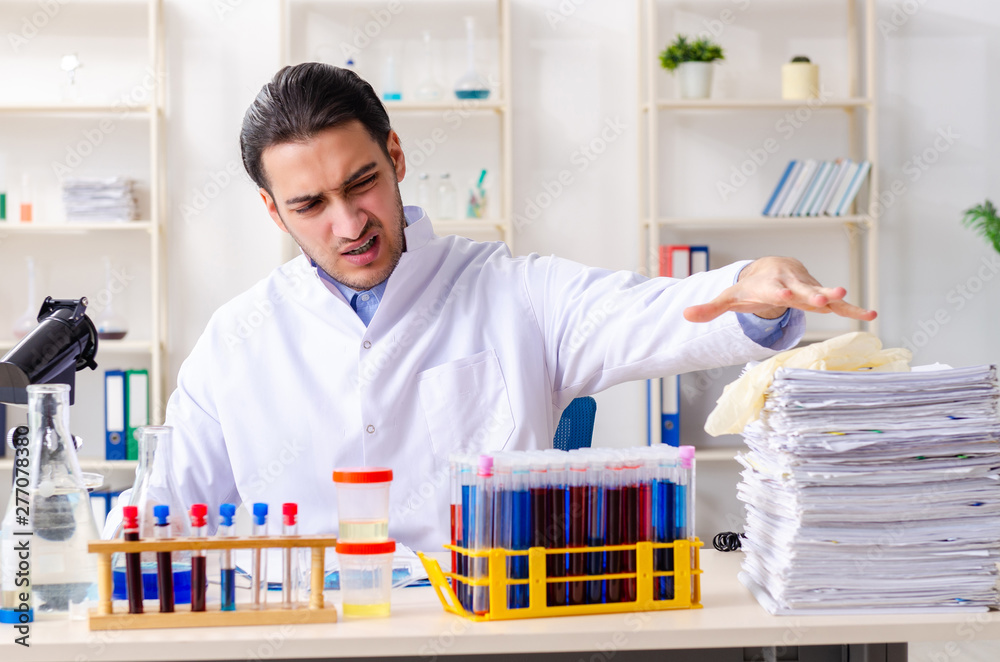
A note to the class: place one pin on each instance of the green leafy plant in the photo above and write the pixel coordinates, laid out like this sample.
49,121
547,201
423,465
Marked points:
983,219
682,50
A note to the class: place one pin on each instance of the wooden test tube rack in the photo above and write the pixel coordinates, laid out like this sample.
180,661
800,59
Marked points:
105,618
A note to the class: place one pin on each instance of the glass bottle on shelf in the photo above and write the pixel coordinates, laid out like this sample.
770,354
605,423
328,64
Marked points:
391,90
28,320
429,89
27,199
152,472
425,200
471,85
447,200
60,520
110,325
70,91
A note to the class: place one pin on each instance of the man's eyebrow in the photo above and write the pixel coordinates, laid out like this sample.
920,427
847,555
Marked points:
356,175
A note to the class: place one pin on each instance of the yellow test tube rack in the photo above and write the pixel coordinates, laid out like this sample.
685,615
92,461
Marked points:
686,574
105,618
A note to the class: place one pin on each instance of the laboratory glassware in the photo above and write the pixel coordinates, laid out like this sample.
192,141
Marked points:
471,85
110,325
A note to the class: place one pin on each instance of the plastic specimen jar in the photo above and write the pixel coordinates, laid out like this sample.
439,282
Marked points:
366,577
363,504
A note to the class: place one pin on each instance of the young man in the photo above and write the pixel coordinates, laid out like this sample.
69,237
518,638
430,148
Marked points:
384,345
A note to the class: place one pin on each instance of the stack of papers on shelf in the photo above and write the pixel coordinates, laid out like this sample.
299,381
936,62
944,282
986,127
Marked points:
97,200
874,491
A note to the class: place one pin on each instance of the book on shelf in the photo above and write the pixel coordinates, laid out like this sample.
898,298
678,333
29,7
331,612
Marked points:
676,261
814,188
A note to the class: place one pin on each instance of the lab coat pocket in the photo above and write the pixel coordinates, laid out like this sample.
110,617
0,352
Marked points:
466,406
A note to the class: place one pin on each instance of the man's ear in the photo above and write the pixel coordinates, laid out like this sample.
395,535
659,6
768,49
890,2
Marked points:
395,150
272,210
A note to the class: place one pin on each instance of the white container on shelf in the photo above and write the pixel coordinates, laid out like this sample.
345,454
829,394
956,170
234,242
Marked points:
694,80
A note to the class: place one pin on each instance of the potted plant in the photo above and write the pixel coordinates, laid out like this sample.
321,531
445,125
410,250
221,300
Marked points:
984,220
693,62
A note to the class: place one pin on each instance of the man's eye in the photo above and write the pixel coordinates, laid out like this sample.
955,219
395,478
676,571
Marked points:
302,210
364,183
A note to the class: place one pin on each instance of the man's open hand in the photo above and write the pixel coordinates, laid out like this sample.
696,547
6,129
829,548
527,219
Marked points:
769,286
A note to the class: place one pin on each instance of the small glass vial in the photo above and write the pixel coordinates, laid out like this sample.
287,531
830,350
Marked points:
447,198
424,198
27,199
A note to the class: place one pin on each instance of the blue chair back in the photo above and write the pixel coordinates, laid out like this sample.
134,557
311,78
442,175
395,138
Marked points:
576,427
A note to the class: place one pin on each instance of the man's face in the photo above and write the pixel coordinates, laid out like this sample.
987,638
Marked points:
337,195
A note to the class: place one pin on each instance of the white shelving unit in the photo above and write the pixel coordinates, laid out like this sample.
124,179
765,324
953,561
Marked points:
326,30
122,95
857,100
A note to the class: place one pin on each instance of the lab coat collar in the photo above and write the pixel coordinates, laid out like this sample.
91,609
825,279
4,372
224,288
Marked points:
418,230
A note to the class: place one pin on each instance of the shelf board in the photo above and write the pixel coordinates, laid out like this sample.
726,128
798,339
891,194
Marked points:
759,104
78,109
103,346
757,222
16,227
469,225
462,105
716,454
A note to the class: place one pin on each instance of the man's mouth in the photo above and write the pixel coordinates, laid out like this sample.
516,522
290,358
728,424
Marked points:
363,247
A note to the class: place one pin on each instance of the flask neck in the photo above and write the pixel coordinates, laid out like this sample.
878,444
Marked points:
52,455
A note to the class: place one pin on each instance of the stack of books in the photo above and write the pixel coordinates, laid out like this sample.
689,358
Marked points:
874,491
817,188
99,200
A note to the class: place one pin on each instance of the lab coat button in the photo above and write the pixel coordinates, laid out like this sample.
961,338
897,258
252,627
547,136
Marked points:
371,429
368,344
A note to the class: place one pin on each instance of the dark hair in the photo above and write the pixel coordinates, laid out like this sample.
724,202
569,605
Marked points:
302,100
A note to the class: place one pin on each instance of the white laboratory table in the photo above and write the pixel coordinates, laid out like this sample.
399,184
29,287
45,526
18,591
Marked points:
419,628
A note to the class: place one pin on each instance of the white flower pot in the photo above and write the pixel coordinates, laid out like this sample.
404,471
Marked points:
695,79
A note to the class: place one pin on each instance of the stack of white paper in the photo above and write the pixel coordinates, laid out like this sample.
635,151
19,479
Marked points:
95,200
874,491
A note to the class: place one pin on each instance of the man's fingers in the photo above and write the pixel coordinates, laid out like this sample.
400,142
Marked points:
845,309
706,312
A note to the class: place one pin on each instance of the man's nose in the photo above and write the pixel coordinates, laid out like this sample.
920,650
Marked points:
349,221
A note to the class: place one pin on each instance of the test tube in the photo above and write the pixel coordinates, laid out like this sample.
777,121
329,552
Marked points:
539,499
630,519
27,199
556,526
595,527
227,579
483,532
133,560
199,574
289,575
164,560
456,509
614,526
685,481
3,188
467,478
503,510
576,479
521,526
663,520
258,570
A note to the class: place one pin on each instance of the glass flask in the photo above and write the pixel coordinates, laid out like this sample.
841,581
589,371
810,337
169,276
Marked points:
471,85
151,488
28,320
429,89
110,325
53,509
424,198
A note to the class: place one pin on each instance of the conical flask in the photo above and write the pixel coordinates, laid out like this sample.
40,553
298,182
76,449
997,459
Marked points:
110,324
152,488
56,509
471,85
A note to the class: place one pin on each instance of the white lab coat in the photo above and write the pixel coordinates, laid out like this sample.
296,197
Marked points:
469,349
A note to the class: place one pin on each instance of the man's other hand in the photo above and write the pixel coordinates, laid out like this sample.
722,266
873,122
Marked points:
771,285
